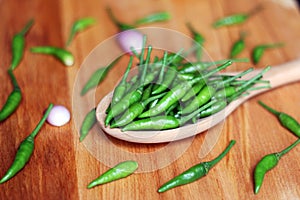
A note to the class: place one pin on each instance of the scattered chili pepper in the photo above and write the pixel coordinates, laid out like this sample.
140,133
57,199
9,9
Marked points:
155,17
25,150
235,18
18,44
238,46
13,100
286,120
98,76
119,171
267,163
259,50
199,40
196,172
78,26
87,124
63,55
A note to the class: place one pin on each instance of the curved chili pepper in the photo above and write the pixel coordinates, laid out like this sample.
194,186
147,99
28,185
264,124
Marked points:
13,100
235,18
194,91
155,17
259,50
119,171
87,124
62,55
25,150
267,163
97,77
286,120
196,172
18,44
78,26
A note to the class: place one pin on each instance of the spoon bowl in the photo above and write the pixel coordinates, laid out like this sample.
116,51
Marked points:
278,76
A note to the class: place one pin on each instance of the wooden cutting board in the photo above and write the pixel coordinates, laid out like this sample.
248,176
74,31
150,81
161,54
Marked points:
61,166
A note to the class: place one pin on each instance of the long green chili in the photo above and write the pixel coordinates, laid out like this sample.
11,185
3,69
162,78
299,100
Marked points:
25,150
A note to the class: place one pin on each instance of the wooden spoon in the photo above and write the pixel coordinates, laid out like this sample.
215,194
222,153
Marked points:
279,75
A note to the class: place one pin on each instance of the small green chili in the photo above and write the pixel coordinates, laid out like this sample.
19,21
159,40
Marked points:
286,120
25,150
267,163
235,18
63,55
119,171
259,50
196,172
238,46
87,124
155,17
98,76
13,100
18,44
78,26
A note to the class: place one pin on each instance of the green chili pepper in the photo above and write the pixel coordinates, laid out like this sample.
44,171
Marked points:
194,91
134,111
199,40
25,150
78,26
202,66
259,50
63,55
13,100
97,77
120,89
163,122
267,163
122,26
286,120
147,92
156,17
87,124
119,171
18,44
205,94
235,18
196,172
238,46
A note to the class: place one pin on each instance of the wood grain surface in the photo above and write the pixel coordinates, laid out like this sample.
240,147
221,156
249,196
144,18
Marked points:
61,166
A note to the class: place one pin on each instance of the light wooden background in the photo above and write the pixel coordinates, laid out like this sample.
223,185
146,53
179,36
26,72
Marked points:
61,167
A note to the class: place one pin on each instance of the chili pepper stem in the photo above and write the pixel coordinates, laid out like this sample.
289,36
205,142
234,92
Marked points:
120,25
286,150
42,121
26,28
220,156
275,112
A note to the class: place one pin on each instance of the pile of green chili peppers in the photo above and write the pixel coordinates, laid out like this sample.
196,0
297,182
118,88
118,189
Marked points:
169,92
